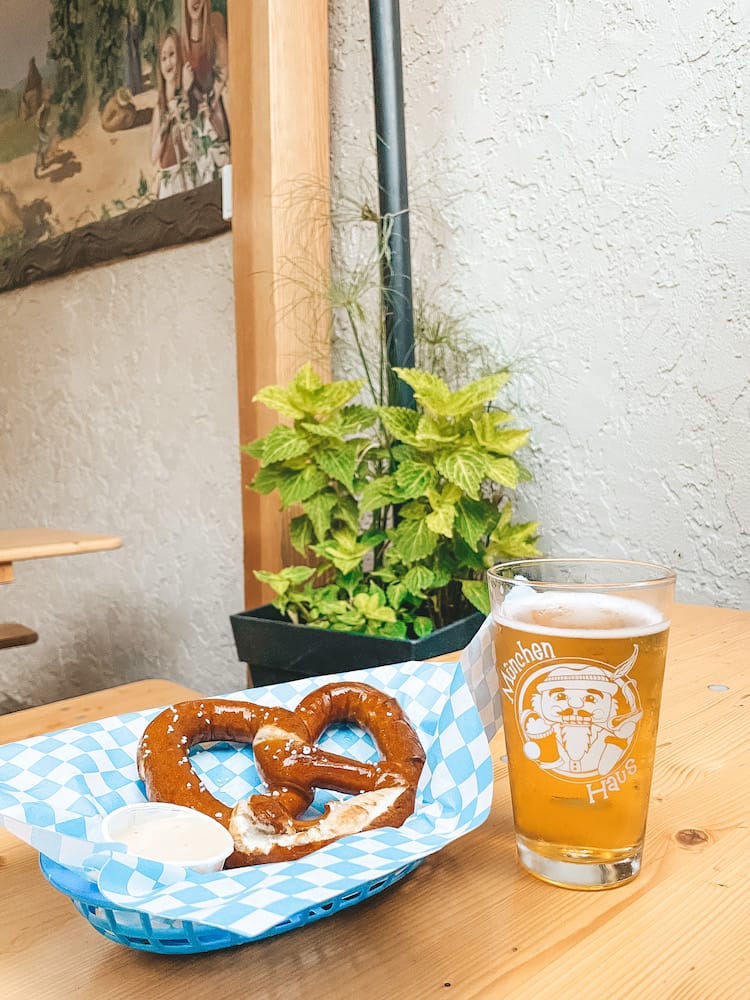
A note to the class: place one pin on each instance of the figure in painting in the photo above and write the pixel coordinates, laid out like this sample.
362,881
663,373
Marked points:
204,41
31,98
44,135
172,146
133,41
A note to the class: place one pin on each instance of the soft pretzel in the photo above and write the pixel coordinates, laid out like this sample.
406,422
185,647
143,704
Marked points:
266,828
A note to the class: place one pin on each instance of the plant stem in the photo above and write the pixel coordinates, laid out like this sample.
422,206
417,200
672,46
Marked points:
360,350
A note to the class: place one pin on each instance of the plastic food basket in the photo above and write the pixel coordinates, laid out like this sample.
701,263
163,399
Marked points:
146,933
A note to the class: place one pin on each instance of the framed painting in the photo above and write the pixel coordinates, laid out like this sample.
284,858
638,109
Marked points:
114,128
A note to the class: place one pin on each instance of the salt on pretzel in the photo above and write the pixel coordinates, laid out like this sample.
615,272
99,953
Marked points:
266,828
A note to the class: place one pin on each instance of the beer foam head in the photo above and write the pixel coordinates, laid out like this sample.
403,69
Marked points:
558,612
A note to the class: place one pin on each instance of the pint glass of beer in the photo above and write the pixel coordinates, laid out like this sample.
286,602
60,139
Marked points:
580,646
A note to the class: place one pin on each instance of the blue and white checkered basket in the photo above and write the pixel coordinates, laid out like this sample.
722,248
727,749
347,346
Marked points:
55,789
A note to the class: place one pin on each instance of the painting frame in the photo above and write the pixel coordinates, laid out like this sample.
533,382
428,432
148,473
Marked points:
183,217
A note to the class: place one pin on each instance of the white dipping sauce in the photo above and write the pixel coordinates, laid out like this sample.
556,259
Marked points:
176,837
160,831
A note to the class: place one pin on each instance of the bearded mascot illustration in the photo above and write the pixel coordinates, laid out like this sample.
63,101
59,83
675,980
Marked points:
579,717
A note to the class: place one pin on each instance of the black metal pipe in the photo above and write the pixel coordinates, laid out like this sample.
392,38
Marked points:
388,86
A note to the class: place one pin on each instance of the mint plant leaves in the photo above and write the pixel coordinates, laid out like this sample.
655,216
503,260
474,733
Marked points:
398,511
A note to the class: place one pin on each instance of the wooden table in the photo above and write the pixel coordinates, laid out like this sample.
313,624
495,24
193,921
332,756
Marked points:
40,543
468,923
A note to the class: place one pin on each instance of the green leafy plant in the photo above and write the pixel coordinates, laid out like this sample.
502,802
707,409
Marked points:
66,49
399,511
108,63
143,196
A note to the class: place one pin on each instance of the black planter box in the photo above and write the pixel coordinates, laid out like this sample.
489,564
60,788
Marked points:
276,650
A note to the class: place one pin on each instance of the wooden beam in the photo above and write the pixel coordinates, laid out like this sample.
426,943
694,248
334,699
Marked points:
278,83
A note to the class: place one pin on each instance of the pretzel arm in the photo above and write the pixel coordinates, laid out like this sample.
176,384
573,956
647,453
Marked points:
372,710
163,753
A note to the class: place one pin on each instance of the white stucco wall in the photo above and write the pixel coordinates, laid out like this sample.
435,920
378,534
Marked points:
118,413
579,177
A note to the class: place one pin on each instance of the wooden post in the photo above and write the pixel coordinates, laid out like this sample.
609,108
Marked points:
278,87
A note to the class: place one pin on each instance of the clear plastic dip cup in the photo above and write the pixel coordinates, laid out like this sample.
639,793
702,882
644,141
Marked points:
171,834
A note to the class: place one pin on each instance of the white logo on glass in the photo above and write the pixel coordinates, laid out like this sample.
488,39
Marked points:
578,717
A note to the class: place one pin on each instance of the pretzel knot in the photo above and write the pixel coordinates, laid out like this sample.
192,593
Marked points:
266,828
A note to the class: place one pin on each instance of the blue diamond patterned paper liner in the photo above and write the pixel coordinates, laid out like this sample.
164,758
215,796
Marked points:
478,664
55,789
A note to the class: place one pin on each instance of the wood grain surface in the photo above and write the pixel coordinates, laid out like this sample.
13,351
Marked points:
41,543
468,923
278,57
88,707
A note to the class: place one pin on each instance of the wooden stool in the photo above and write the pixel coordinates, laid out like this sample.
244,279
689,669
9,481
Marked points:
13,634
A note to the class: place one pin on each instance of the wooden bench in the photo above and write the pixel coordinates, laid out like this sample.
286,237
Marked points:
13,634
40,543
